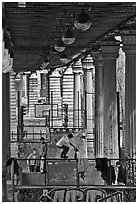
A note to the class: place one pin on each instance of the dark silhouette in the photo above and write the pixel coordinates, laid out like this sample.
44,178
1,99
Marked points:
101,165
110,174
107,170
16,165
17,170
121,179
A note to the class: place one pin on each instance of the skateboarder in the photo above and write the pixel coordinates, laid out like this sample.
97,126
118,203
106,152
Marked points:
64,144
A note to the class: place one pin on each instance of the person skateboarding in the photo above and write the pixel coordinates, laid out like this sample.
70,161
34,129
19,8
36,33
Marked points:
64,144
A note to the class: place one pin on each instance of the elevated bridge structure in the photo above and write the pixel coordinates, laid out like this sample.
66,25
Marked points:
87,86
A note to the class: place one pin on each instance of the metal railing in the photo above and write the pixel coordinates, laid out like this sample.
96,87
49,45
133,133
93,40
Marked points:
52,166
57,167
66,181
32,134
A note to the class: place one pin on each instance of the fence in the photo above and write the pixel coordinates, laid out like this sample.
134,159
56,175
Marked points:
33,134
64,175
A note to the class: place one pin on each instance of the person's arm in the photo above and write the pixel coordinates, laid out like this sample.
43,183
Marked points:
28,161
73,145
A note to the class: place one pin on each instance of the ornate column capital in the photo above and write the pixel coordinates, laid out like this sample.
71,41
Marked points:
87,62
98,60
110,48
77,67
128,36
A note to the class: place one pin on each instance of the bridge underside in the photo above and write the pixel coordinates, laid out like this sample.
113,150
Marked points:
92,94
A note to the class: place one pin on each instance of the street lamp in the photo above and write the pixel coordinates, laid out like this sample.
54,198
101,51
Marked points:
59,46
64,58
83,21
68,37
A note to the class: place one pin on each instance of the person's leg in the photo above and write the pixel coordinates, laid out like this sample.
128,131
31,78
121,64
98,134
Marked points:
45,171
61,152
31,170
65,151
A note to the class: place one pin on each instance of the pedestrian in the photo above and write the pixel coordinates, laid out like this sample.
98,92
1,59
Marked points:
110,173
17,171
82,155
121,174
64,143
43,154
32,161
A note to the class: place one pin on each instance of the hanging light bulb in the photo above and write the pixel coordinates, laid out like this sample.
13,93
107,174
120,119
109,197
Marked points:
68,37
83,21
53,50
59,46
64,58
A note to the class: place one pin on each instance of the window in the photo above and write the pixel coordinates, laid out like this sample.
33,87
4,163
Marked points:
44,85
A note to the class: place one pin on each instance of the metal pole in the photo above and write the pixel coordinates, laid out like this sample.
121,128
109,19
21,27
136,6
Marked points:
46,82
77,174
28,88
45,168
49,126
118,117
18,127
21,123
85,110
78,109
12,179
48,86
47,172
51,108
